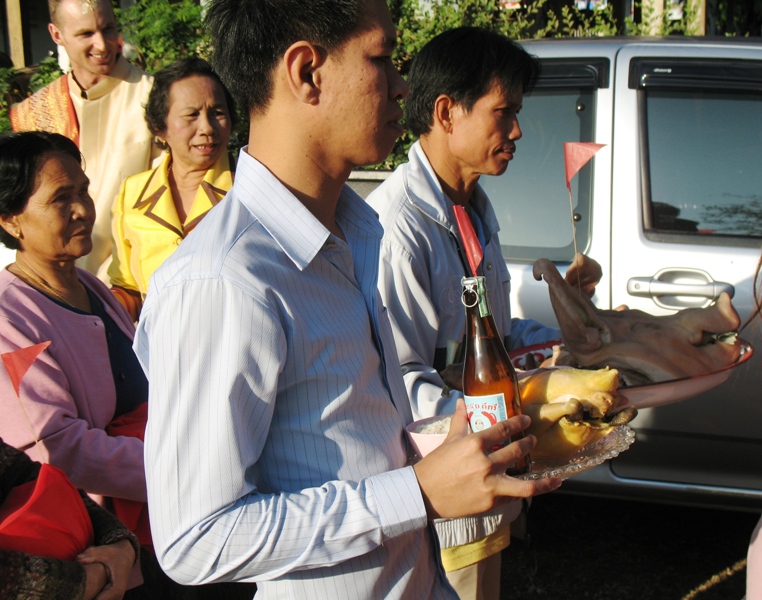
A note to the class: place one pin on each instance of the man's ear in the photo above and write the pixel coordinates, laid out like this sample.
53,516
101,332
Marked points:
55,33
443,112
303,61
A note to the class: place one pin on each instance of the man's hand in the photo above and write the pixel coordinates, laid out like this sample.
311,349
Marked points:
117,560
462,477
584,274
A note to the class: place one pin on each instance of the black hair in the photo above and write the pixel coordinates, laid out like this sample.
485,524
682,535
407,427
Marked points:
20,161
250,36
157,107
464,63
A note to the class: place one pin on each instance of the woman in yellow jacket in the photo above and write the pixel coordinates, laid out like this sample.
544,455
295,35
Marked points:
190,113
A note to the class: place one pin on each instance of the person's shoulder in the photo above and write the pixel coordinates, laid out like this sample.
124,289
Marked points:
96,285
132,80
203,252
390,198
19,303
130,73
9,290
52,86
6,289
393,187
29,101
135,184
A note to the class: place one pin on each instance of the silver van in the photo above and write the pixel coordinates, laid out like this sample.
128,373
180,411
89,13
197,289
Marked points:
671,208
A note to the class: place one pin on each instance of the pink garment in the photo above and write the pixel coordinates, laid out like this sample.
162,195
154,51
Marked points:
68,392
754,565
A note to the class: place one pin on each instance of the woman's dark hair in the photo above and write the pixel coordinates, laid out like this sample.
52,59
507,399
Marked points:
464,63
249,37
157,107
20,161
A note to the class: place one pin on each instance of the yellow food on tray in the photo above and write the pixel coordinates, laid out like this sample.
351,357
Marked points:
571,408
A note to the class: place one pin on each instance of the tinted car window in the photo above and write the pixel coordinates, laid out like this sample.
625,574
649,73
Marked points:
531,199
704,150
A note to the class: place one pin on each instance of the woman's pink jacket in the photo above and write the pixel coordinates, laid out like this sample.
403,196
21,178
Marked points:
67,396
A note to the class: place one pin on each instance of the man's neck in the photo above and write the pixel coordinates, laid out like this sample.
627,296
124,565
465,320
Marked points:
297,163
86,80
457,185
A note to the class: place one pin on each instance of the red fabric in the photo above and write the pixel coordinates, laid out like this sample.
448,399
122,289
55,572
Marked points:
470,240
17,363
46,517
576,154
133,514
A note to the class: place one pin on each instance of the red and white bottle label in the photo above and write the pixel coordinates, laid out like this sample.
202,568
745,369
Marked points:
485,411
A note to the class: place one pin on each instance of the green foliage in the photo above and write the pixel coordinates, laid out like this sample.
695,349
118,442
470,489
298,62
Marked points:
165,31
47,71
14,87
652,22
6,79
738,18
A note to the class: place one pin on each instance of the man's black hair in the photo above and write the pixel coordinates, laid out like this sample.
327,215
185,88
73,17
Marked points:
464,63
249,37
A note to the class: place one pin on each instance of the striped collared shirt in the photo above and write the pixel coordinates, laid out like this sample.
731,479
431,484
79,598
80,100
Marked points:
274,448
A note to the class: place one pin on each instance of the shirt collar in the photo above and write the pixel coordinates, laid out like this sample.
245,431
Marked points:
287,220
120,72
423,189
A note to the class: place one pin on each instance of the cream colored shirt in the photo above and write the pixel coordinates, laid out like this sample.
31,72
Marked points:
115,143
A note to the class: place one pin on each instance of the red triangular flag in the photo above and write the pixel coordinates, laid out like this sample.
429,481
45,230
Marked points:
576,155
17,363
471,245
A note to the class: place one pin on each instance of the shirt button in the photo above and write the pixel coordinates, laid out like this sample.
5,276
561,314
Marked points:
122,376
489,266
177,241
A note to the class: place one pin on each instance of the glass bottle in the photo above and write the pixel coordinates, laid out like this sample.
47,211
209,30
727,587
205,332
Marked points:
490,387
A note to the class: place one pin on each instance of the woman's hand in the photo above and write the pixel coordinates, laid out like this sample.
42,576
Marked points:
115,561
96,578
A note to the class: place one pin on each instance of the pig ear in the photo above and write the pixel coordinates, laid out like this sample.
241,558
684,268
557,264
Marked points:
720,317
581,328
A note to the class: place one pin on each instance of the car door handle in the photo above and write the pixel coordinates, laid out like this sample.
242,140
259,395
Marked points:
667,284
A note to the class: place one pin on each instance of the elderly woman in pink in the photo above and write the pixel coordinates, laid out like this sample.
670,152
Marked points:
88,375
87,380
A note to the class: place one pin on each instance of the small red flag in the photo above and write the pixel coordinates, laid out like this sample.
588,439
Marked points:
471,245
17,363
576,155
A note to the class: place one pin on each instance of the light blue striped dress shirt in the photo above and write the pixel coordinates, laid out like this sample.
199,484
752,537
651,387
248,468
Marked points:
274,449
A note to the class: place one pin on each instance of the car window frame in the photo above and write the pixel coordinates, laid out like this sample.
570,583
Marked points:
681,74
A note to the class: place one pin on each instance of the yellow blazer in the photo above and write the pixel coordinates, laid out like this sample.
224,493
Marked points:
145,226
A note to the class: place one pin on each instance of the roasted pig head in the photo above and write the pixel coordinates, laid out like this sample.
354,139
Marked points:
643,347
